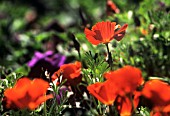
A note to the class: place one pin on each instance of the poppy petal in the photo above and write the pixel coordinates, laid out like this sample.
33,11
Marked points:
119,34
70,72
111,6
104,31
22,82
90,37
24,92
103,92
39,87
158,92
131,78
19,90
124,106
33,105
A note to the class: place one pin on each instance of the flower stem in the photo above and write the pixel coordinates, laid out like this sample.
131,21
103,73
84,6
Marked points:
133,107
99,106
110,110
109,57
45,108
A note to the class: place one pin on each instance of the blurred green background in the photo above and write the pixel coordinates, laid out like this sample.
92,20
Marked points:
41,25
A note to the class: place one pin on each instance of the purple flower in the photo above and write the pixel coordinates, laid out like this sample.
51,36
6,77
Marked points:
61,93
47,61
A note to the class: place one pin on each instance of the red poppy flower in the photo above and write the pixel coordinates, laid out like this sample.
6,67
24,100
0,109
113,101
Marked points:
71,72
158,93
104,92
159,114
124,104
111,7
104,32
27,93
126,79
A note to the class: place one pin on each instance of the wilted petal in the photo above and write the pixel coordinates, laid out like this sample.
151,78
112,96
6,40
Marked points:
90,37
119,34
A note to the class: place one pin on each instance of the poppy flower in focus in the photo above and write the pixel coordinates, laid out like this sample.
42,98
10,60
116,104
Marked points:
71,72
158,93
104,92
27,93
111,7
104,32
126,79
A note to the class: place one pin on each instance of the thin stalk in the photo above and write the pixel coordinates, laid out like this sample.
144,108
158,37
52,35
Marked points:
94,101
99,106
79,55
52,107
133,107
45,108
109,57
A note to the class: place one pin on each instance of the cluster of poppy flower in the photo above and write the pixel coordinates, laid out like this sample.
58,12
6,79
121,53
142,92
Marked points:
30,94
121,87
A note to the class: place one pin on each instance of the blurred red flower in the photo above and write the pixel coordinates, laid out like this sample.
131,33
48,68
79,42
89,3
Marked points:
104,32
111,7
158,92
159,114
71,72
126,79
27,93
120,87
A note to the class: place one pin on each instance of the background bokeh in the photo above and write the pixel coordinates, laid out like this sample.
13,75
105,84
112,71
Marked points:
42,25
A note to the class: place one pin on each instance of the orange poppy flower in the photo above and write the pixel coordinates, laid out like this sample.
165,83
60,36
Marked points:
71,72
104,32
159,114
126,79
158,93
124,104
111,7
104,92
27,93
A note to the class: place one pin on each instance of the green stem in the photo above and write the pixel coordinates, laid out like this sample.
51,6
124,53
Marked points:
52,107
109,57
45,109
94,101
79,56
99,106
